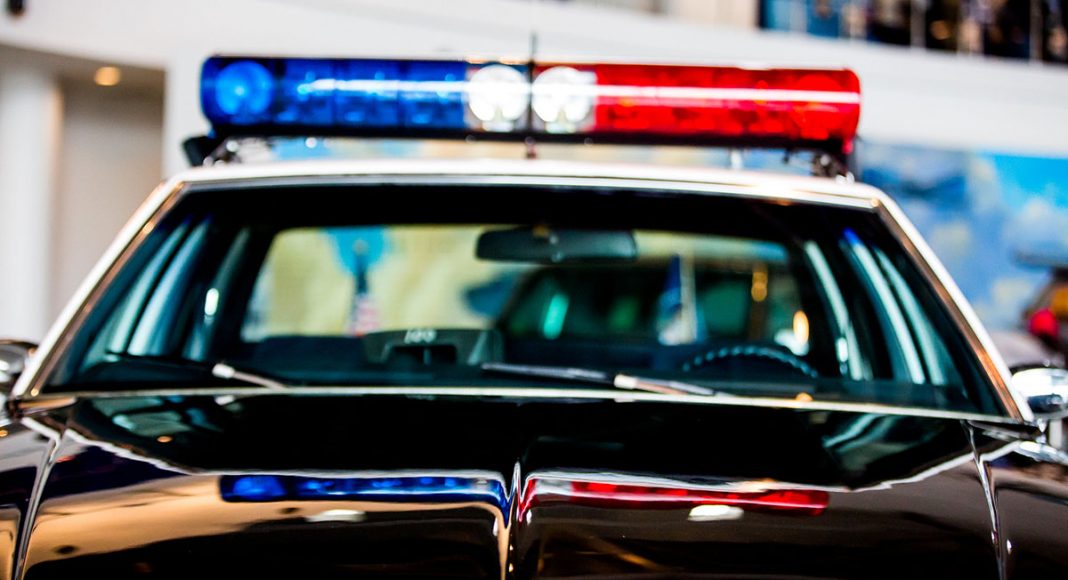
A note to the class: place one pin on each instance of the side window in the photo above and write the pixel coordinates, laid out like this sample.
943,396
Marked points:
933,352
138,323
917,353
905,361
150,335
116,336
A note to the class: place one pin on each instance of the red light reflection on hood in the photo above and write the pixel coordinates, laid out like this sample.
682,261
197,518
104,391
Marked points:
808,502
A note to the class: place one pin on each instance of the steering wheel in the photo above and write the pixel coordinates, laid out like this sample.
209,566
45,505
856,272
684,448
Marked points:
782,357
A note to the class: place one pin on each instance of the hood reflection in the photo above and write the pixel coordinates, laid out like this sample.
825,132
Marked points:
329,487
269,524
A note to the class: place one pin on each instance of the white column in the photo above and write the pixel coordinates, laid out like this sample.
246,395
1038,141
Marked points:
30,117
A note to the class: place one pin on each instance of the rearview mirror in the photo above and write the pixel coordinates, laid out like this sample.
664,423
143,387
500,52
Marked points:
1046,390
555,246
14,354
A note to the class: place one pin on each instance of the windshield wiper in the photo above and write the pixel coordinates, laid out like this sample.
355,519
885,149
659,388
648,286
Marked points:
589,376
622,381
219,370
224,371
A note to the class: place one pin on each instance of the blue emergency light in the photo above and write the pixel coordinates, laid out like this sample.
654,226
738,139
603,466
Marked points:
362,94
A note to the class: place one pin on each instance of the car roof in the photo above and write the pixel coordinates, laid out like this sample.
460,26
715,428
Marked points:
763,184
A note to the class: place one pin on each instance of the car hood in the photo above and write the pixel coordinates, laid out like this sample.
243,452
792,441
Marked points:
331,486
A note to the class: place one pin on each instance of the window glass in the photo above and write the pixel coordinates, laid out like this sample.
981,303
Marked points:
424,285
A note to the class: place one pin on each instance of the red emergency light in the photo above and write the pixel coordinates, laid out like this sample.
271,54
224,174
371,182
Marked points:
728,103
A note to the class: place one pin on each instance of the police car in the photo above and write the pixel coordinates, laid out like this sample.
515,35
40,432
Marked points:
515,368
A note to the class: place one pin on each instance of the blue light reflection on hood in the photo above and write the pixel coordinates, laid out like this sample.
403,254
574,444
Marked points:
443,489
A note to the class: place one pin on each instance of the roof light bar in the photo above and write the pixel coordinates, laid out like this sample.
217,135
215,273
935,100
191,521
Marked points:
619,103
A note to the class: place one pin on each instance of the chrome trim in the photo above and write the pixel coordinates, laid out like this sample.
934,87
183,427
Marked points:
533,393
766,193
511,168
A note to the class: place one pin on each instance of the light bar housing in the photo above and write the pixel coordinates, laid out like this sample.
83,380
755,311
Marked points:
562,102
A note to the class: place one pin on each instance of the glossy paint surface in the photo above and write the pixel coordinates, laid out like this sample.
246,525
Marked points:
335,486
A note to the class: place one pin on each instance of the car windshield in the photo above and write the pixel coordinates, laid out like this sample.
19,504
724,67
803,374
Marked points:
437,285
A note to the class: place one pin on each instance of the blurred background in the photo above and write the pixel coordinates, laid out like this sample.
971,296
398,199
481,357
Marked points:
965,114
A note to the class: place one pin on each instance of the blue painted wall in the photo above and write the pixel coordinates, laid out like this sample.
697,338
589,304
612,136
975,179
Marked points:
979,210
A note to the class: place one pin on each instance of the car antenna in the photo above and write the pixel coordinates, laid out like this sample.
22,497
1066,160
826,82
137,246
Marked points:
529,142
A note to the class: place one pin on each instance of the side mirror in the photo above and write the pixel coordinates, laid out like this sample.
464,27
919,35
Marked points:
14,355
1046,390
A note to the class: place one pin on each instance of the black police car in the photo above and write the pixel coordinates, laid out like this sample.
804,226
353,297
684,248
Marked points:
426,368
